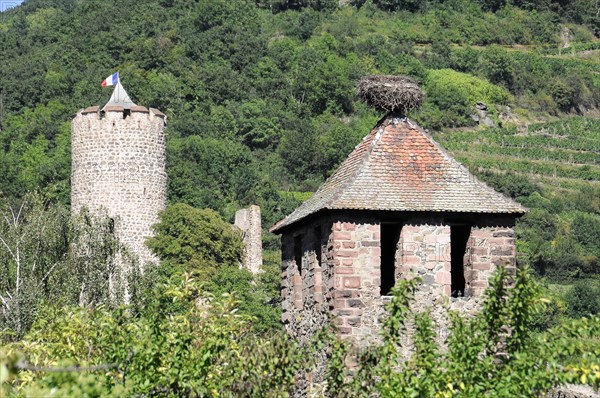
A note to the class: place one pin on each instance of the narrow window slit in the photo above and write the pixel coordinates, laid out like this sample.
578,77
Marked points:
390,236
459,236
298,252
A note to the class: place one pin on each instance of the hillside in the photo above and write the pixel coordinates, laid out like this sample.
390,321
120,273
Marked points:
554,169
261,104
261,108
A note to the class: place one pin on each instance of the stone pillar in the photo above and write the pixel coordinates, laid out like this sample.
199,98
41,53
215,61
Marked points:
489,248
248,220
356,279
425,251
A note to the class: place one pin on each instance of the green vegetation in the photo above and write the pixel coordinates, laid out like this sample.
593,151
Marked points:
261,108
552,168
205,348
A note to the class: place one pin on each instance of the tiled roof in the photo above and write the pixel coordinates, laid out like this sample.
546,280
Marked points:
399,167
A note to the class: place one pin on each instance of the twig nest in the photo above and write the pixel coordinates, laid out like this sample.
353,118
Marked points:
392,94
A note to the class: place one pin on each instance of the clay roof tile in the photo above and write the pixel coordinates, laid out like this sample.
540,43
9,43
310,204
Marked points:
399,167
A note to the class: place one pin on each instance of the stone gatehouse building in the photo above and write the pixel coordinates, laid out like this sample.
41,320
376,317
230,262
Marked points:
398,206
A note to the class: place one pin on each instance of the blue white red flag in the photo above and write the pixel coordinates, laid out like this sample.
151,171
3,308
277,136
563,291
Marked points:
111,80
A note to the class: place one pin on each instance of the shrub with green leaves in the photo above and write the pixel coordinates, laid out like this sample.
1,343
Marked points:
583,299
206,348
196,239
452,96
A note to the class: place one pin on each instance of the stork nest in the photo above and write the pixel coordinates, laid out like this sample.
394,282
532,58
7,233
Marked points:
397,94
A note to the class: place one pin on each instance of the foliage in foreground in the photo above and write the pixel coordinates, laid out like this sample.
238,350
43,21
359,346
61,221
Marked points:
494,354
47,256
207,349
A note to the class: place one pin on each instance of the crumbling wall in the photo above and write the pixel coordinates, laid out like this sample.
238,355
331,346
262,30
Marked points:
248,220
351,272
305,287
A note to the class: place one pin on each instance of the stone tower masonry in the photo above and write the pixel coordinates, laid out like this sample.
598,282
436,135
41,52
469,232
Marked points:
118,163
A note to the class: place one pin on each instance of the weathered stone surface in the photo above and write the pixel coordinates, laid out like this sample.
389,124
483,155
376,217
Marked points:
118,163
248,220
350,275
571,391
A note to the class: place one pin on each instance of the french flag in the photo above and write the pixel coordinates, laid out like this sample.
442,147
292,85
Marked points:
111,80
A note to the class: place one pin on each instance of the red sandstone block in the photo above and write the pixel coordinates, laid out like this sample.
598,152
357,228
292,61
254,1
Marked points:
482,266
350,312
479,284
337,226
443,239
377,235
319,298
340,304
373,227
480,251
443,277
347,253
447,290
481,233
496,241
374,262
410,228
502,251
471,275
343,271
351,282
344,330
347,262
411,260
348,245
339,235
404,269
356,303
318,279
347,226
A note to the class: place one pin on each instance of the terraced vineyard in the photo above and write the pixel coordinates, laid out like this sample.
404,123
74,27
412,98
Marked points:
563,153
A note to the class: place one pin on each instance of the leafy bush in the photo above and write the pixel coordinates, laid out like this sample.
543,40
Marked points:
47,256
583,299
451,98
207,349
195,240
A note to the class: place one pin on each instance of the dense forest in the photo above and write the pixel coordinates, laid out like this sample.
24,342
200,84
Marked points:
261,103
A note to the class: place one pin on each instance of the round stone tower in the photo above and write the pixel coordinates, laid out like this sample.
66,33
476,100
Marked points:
118,163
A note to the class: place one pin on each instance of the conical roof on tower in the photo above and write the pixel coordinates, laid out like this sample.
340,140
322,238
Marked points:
399,167
119,98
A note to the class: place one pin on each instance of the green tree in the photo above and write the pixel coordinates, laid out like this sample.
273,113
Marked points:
195,239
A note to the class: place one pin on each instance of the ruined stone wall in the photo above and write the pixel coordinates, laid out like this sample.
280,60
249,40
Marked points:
248,220
118,163
306,291
350,272
424,250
